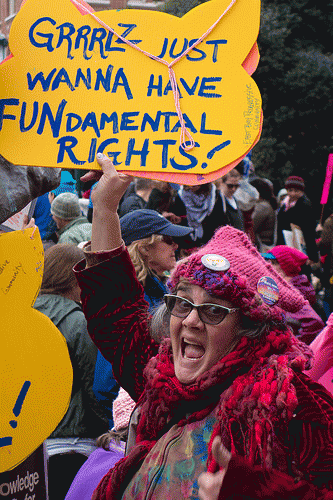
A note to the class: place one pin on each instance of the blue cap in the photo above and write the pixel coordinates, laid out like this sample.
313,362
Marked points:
268,256
67,184
140,224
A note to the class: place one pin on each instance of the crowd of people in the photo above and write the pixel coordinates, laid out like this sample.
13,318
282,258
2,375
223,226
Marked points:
197,320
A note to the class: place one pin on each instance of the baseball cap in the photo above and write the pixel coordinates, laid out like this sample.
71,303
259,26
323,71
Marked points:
142,223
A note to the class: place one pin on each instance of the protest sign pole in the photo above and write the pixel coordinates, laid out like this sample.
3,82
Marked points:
327,185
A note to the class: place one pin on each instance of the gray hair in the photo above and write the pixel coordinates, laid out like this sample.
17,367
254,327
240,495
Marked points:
160,325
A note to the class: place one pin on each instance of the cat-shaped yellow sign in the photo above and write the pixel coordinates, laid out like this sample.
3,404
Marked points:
35,369
78,83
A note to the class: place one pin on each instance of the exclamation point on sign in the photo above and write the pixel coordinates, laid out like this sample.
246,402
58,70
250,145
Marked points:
6,441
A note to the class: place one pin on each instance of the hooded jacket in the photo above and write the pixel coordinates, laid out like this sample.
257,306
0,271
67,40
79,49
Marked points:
84,417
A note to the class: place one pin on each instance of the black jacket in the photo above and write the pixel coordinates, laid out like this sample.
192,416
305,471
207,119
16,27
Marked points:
301,214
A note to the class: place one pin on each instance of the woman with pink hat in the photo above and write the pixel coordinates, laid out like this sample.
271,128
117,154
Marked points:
290,262
223,408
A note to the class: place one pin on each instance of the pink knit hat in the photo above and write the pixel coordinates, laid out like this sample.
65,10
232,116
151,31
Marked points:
290,259
122,408
230,267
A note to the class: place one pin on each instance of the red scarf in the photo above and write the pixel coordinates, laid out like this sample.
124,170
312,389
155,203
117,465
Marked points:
255,396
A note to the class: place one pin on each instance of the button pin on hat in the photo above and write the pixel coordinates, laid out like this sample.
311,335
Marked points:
215,262
268,290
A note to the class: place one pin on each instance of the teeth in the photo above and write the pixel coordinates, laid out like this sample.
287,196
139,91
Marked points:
194,347
191,343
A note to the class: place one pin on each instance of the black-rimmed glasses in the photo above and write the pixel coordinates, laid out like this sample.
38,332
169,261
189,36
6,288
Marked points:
211,314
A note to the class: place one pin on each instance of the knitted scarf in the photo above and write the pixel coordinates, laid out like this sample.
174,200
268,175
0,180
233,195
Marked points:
198,207
256,396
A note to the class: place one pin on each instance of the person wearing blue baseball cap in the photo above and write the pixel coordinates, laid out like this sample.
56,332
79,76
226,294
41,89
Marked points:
142,223
149,238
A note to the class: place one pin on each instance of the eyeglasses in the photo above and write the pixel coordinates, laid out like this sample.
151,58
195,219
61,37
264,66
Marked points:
232,186
211,314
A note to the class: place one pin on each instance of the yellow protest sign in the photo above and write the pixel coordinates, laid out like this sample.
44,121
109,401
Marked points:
73,88
35,368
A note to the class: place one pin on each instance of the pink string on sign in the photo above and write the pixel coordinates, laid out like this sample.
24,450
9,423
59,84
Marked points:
172,75
33,232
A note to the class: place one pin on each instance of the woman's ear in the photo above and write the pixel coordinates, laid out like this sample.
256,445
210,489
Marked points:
144,250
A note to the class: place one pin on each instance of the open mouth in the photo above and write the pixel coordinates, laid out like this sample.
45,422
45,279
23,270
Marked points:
192,350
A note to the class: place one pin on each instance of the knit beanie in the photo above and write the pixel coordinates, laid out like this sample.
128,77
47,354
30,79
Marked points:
67,184
66,206
122,408
295,182
231,268
290,259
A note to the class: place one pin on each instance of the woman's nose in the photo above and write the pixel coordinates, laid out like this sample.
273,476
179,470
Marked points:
193,319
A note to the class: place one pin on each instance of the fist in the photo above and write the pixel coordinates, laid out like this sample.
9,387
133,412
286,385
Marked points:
210,484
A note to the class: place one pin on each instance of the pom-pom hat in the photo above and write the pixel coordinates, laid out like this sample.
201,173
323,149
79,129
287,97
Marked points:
239,277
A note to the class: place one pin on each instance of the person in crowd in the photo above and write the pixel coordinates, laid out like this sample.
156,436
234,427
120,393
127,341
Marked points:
228,186
44,221
110,449
246,197
161,199
265,216
150,241
138,199
297,209
42,213
67,185
325,245
149,238
204,209
281,196
290,262
74,438
73,227
223,408
322,365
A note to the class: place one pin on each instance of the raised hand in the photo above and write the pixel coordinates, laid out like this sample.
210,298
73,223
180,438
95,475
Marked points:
105,197
210,484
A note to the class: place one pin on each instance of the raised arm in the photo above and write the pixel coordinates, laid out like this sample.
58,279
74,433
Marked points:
112,298
106,196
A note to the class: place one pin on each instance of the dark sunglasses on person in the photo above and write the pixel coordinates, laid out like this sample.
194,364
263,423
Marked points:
232,186
211,314
167,239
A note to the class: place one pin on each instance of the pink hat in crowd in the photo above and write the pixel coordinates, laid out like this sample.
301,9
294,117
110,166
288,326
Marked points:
122,408
230,267
290,259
